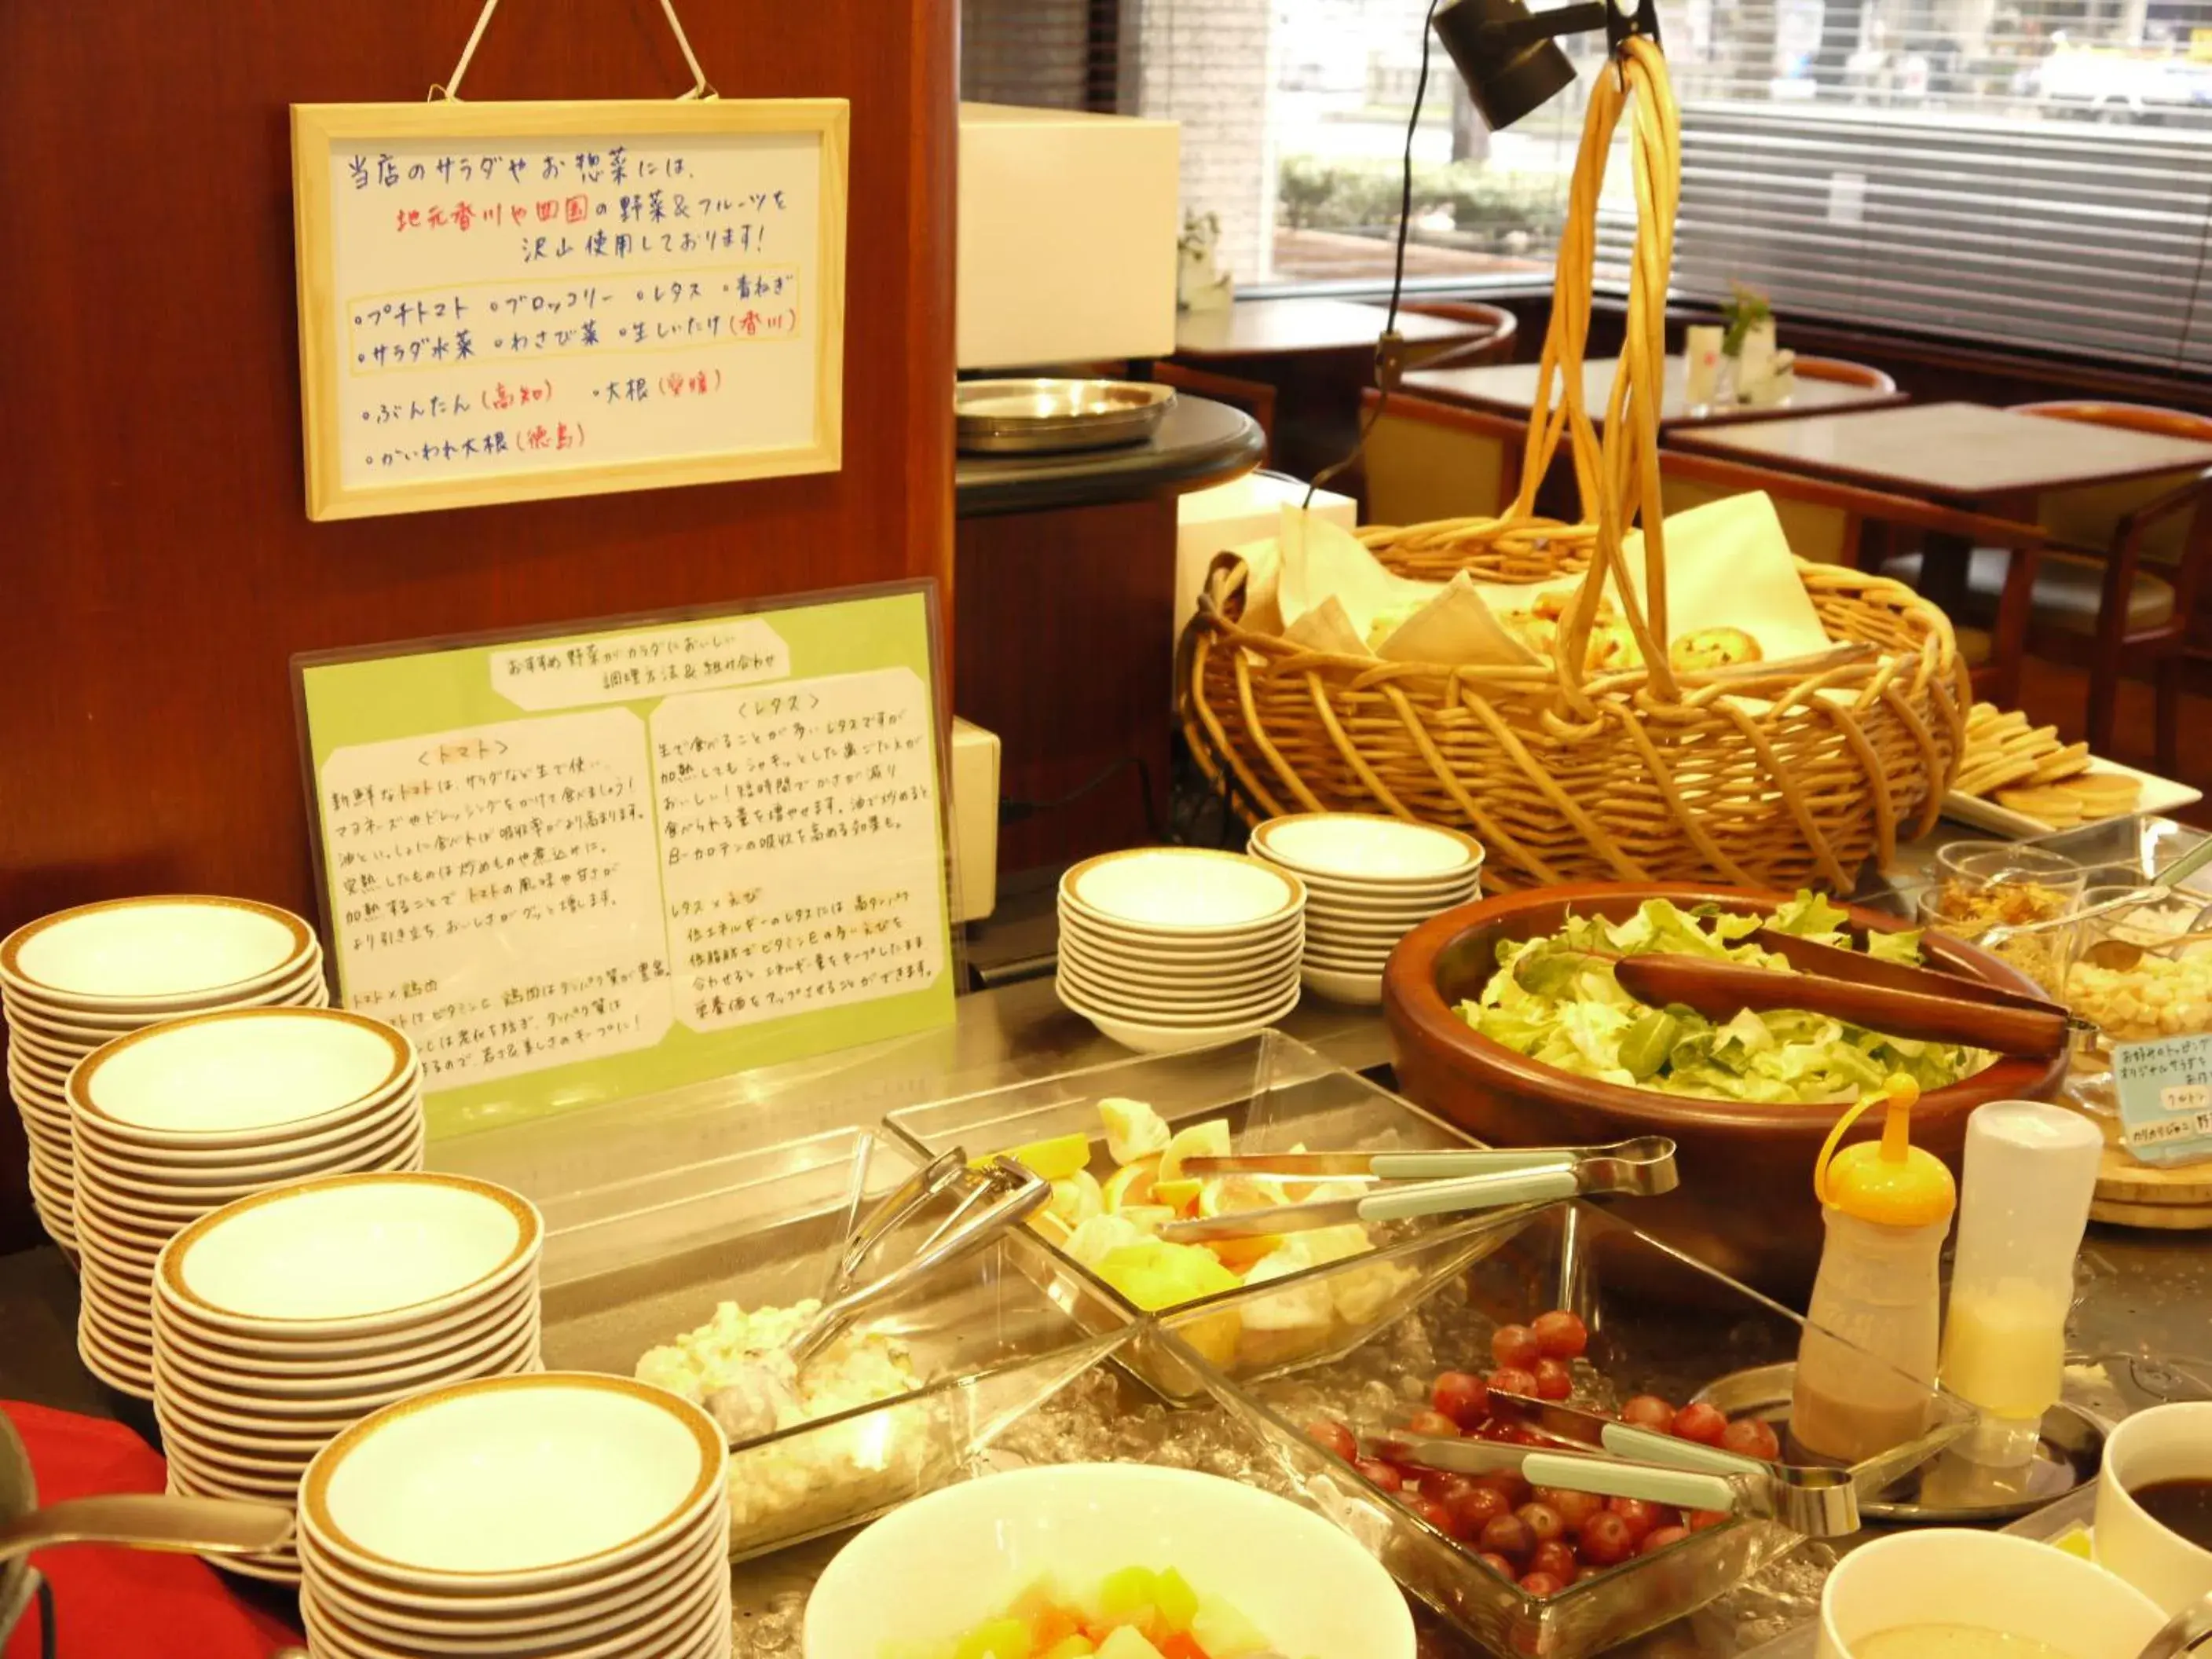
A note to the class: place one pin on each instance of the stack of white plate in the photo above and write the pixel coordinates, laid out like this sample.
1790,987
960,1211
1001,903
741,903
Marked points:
1371,881
74,979
1164,948
185,1117
560,1516
284,1319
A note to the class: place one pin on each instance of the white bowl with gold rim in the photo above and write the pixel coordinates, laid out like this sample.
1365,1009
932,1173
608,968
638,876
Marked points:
451,1327
71,1026
1149,953
1369,849
1265,984
304,1401
243,1077
190,1177
348,1254
1187,893
155,953
522,1482
1153,1034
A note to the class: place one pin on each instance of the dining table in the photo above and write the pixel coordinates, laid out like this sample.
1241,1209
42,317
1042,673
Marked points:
1509,390
1969,456
1318,353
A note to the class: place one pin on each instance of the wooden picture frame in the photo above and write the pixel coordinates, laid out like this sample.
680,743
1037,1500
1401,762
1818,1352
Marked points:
333,397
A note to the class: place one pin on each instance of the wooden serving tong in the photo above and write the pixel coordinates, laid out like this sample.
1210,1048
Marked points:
1891,997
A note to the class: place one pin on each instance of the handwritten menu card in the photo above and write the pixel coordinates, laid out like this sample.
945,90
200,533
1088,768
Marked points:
584,868
502,301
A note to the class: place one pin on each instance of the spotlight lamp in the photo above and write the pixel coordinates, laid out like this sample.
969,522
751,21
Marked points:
1507,56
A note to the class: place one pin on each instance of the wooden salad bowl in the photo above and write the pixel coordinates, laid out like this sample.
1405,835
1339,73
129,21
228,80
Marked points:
1746,1203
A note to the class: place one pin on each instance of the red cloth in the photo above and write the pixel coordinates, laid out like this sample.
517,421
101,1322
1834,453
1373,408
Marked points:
114,1603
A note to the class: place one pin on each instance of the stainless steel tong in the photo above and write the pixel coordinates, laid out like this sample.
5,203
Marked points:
1601,1455
1000,1196
1440,1182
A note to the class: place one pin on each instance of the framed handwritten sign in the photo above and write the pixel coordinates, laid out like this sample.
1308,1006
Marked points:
594,865
506,301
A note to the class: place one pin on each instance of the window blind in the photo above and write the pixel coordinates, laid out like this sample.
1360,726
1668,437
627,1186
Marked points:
1052,54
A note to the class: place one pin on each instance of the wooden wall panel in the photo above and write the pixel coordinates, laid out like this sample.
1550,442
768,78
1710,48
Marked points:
156,566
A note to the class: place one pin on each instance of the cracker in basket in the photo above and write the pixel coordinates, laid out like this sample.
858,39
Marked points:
2065,762
2047,803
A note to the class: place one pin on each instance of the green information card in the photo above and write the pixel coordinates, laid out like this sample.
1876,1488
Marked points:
591,866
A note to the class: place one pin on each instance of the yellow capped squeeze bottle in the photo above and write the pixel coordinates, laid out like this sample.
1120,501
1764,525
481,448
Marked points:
1866,1365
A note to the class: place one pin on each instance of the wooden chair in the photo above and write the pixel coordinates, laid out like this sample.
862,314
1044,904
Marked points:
1493,345
1425,460
1845,374
1825,522
2095,602
1255,398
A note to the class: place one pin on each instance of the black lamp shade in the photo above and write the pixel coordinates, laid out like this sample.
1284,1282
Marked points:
1506,78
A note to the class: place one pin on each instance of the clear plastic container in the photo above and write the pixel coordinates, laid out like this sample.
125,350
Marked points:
2031,1171
1867,1367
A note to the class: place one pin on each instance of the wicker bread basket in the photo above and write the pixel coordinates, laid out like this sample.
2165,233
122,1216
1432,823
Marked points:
1770,776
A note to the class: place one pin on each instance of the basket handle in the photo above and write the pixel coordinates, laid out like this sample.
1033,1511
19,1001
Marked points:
1617,469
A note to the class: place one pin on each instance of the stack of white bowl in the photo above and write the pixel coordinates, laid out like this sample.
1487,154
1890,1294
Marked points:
1164,948
560,1516
285,1318
1371,881
185,1117
74,979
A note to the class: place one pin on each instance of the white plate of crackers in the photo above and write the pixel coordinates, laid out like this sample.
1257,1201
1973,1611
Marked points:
2020,779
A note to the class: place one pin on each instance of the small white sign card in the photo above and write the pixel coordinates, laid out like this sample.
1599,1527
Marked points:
507,300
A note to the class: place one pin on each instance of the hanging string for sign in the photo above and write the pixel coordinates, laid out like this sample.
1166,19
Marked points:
700,88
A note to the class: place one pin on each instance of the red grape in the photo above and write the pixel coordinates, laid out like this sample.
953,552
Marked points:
1481,1506
1333,1438
1649,1410
1515,1347
1434,1423
1511,1482
1702,1422
1445,1485
1561,1334
1753,1438
1704,1520
1656,1542
1542,1584
1385,1475
1543,1520
1508,1535
1556,1557
1574,1507
1607,1538
1497,1563
1460,1396
1640,1516
1553,1380
1438,1514
1511,1379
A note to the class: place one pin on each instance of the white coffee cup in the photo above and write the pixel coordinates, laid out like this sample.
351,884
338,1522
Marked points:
1990,1580
2167,1443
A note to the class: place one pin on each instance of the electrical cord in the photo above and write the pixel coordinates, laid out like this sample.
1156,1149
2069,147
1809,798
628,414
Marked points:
1015,812
1389,350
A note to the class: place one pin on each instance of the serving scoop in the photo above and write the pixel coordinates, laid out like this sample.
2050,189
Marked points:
751,1403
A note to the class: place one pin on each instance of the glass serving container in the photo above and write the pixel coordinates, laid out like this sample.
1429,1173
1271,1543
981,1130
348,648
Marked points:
1660,1322
978,1341
1988,886
1277,1094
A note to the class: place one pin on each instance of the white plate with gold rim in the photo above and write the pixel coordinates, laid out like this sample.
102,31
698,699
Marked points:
449,1328
159,951
600,1605
482,1599
252,1074
1183,891
686,1594
1210,987
81,1028
1184,955
673,1625
524,1481
1150,1037
1368,847
176,1203
340,1391
1146,1004
352,1253
1322,894
155,1179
